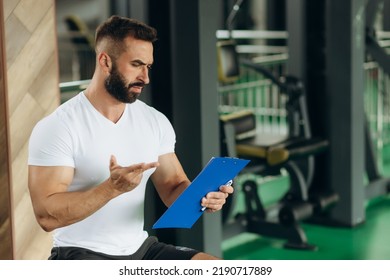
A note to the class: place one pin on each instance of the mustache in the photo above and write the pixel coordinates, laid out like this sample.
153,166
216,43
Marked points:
137,84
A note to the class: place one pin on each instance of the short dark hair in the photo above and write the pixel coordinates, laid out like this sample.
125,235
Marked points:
117,28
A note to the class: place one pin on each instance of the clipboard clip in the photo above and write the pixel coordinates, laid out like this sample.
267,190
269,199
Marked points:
229,183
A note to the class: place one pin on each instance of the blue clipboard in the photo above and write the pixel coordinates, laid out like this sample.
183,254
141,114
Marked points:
186,209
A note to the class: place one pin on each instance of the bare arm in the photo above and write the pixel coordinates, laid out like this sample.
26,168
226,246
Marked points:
170,181
55,207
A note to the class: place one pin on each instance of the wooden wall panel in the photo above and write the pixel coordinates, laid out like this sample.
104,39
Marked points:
31,59
31,13
9,6
6,234
33,92
15,27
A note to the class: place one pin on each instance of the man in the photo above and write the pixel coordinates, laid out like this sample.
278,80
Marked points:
89,161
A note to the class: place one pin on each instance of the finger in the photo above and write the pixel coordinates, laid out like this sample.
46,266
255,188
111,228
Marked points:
151,165
138,169
204,202
213,207
134,167
141,167
134,173
214,203
134,178
226,189
216,195
113,162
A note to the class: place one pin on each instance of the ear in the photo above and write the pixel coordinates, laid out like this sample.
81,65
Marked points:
104,61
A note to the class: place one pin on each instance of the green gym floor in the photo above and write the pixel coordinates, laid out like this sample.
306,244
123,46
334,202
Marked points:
368,241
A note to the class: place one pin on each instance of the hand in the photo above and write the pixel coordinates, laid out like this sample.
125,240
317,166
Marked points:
214,201
125,179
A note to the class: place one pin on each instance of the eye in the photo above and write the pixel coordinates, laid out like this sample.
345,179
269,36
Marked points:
136,64
139,64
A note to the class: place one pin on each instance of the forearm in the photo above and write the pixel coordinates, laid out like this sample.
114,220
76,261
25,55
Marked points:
65,208
169,179
171,196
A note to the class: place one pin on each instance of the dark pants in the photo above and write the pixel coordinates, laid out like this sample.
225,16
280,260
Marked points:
151,249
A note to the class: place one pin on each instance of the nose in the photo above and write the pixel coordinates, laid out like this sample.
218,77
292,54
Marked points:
144,74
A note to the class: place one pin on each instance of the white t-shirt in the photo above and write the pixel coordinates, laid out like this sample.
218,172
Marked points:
77,135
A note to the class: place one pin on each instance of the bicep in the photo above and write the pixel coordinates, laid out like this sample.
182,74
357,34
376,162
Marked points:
169,178
44,181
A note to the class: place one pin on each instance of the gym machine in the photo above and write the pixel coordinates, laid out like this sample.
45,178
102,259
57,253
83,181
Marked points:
269,156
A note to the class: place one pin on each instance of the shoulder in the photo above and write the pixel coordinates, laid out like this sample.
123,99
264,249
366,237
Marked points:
58,120
154,119
149,112
71,108
157,123
51,142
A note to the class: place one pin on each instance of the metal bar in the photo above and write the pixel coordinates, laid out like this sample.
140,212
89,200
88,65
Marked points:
74,85
251,34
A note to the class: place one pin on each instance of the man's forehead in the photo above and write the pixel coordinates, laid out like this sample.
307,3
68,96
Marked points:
139,49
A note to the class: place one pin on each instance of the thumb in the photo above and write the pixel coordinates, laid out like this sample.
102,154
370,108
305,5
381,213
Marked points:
113,162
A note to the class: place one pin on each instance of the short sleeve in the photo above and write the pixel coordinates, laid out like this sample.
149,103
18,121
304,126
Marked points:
168,136
50,144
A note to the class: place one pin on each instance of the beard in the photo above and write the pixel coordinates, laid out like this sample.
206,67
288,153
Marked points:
115,85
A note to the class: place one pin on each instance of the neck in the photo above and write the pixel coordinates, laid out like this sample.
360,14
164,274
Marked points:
104,103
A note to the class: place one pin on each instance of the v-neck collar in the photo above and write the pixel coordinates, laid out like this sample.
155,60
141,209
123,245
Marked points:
100,115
